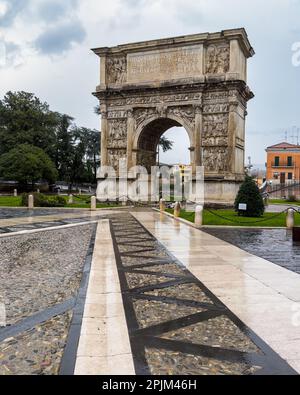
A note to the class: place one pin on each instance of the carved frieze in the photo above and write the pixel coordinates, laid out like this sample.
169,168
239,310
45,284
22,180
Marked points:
215,130
215,159
156,100
215,96
114,156
117,134
141,114
215,108
116,114
116,69
217,59
186,113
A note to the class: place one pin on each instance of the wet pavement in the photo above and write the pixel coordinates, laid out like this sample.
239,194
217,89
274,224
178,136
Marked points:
275,245
6,213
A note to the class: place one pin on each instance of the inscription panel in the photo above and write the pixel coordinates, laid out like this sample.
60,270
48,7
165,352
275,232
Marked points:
168,64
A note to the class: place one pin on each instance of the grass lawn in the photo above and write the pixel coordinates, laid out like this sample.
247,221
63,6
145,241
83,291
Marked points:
211,219
11,201
283,201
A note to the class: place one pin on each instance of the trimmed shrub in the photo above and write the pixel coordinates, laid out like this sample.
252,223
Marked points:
250,195
41,200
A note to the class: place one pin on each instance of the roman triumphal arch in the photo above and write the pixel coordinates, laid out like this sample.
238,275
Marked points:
196,81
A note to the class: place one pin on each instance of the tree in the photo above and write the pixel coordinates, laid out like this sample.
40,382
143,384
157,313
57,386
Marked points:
165,144
24,119
27,164
64,147
250,195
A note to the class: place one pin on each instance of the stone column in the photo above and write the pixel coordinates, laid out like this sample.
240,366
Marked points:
104,138
130,133
232,128
198,132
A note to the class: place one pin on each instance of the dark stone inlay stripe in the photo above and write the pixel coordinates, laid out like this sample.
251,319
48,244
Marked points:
35,319
266,360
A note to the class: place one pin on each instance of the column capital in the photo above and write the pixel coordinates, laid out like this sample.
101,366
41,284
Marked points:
130,113
198,108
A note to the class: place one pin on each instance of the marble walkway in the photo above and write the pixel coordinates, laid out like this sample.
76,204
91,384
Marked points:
193,304
137,292
264,296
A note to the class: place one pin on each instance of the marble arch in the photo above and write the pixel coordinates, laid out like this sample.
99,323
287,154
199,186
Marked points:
198,82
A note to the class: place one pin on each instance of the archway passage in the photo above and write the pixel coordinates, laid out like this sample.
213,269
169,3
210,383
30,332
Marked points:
198,82
149,139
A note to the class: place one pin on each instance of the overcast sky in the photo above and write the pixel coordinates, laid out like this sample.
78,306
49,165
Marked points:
47,46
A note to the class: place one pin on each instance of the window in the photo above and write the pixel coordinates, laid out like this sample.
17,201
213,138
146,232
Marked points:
290,161
290,176
277,161
276,176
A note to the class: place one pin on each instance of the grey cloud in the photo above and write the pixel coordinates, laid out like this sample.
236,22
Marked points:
60,38
53,10
14,7
11,54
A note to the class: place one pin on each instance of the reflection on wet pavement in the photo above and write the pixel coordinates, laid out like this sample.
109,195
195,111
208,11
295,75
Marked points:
275,245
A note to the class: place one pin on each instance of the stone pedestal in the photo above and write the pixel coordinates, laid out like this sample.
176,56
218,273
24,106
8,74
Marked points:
199,216
162,205
93,203
290,218
177,209
30,202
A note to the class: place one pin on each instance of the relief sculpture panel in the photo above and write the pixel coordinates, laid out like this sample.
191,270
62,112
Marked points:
117,136
215,159
217,59
116,69
215,130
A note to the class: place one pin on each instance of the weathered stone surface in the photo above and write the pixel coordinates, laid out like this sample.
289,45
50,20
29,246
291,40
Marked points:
198,82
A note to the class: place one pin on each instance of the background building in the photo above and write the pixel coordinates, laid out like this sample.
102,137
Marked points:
283,163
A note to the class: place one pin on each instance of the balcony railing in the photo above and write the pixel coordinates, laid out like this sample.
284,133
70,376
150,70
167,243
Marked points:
289,165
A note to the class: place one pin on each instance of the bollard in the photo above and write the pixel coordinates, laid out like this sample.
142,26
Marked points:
30,202
177,209
162,205
290,218
38,191
199,216
79,192
71,199
93,203
15,192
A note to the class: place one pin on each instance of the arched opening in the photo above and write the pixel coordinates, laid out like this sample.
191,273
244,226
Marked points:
148,152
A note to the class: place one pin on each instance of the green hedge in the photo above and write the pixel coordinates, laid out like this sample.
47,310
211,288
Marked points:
41,200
